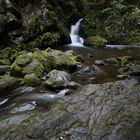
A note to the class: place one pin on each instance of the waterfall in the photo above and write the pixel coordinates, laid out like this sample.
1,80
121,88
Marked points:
76,40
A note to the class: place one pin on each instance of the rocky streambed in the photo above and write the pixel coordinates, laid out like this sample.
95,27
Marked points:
93,112
87,93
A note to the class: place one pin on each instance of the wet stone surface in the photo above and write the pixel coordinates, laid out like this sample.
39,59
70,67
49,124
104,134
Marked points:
105,111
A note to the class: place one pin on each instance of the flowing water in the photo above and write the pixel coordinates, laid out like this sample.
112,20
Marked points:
76,40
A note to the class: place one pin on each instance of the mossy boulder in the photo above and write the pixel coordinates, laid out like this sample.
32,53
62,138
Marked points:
20,62
35,67
41,56
57,79
95,41
57,59
23,59
118,61
8,83
5,53
31,79
131,70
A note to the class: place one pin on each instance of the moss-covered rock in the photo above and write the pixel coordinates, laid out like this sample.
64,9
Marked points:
20,62
23,59
34,67
58,59
8,83
5,53
57,79
118,60
41,56
31,79
5,62
131,70
95,41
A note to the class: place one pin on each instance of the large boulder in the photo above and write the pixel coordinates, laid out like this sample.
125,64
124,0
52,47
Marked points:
57,79
58,59
101,111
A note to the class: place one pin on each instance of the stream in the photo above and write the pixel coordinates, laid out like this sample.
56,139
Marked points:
102,74
15,111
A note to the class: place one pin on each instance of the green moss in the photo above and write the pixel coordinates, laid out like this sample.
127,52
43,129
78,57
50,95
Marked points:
117,21
34,67
5,53
132,37
31,80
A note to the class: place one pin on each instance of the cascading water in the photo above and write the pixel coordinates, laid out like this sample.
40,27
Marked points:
76,40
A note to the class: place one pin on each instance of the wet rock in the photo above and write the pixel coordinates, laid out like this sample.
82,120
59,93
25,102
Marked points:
101,111
73,85
131,70
58,79
122,76
88,70
99,62
80,58
24,90
95,41
118,60
8,83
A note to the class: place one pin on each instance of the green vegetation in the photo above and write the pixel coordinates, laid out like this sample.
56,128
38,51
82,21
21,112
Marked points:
46,40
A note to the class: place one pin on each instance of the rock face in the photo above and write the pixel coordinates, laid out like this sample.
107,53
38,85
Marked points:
116,21
25,20
108,111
